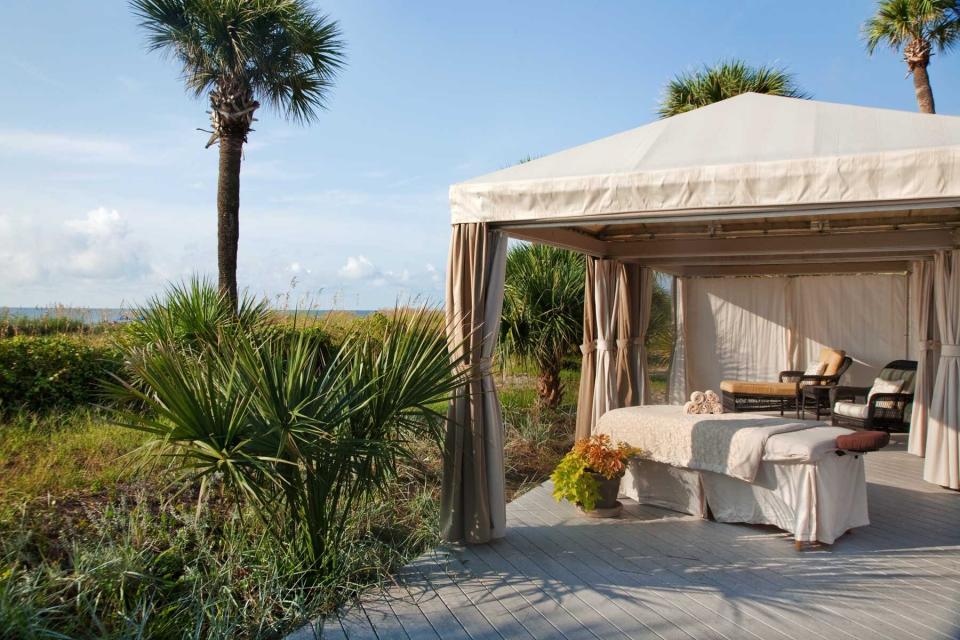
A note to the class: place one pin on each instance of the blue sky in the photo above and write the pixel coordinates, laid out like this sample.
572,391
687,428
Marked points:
106,191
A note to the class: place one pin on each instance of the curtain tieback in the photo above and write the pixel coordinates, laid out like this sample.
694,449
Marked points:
950,350
599,345
929,345
623,343
483,366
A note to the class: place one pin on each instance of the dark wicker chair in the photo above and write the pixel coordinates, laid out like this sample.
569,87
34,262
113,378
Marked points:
884,411
801,378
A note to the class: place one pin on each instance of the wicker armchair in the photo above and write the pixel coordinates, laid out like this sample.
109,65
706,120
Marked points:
853,406
800,377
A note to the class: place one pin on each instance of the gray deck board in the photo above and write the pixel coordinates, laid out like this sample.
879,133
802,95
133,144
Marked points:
662,575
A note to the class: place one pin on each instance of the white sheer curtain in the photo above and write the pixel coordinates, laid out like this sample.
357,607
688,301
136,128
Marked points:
753,328
924,324
864,315
942,464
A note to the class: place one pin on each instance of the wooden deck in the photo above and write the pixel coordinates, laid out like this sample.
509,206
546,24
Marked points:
658,574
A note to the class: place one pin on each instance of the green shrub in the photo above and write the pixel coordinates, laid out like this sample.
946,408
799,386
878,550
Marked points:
40,373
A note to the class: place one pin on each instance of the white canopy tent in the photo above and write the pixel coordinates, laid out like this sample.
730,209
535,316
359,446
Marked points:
752,186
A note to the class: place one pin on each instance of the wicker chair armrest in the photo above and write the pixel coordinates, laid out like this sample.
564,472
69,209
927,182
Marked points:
794,376
848,393
898,400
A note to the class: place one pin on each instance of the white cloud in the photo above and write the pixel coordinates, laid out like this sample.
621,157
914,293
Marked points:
358,268
97,247
432,272
63,147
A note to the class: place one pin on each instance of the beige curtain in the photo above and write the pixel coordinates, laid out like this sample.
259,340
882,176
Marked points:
616,313
588,365
924,321
473,504
942,464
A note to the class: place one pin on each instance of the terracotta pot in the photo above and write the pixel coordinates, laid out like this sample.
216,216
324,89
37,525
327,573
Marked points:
609,488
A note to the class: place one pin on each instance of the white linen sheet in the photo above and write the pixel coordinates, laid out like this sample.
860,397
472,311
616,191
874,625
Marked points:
728,443
815,501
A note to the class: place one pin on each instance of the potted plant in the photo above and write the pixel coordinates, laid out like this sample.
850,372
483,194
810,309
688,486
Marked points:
589,475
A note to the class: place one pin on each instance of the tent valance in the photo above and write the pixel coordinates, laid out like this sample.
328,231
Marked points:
749,152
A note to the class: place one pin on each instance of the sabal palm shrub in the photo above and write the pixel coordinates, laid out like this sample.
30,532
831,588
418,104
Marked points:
298,440
543,312
691,90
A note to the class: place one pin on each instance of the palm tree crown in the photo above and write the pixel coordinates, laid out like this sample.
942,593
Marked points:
277,51
919,28
692,90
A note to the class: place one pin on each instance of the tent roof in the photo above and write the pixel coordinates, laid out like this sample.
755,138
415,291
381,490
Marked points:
749,153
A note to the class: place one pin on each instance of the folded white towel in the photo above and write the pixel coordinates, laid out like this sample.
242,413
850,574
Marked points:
697,397
703,403
711,396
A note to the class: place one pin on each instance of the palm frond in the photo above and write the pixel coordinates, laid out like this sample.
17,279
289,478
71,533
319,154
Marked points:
283,50
726,79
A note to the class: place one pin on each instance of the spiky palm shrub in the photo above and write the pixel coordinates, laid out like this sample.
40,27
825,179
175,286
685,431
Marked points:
919,28
300,442
692,90
543,312
193,314
241,53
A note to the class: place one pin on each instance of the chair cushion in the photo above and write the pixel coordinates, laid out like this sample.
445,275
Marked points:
863,441
779,389
815,369
850,409
885,386
833,358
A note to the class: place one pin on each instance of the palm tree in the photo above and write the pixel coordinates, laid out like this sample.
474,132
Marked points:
543,312
918,27
692,90
242,53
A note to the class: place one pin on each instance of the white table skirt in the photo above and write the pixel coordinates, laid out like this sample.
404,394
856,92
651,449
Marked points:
815,501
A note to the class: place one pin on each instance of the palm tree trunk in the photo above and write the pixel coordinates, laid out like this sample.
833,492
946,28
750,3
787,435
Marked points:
921,85
549,387
228,212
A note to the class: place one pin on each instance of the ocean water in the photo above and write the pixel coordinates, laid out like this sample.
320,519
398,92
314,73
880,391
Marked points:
98,315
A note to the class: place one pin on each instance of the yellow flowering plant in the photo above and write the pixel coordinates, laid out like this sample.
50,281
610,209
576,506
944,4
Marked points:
574,479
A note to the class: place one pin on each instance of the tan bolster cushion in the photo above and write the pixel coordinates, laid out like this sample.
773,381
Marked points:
833,359
782,389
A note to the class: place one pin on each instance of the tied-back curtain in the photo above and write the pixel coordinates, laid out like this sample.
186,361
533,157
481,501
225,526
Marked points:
473,503
925,322
942,464
634,299
677,380
616,313
588,366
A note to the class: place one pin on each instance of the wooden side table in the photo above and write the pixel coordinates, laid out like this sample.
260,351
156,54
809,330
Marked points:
819,394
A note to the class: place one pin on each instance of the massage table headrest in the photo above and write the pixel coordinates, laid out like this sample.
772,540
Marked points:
863,441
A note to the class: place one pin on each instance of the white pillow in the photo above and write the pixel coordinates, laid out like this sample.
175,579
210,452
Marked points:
884,386
816,369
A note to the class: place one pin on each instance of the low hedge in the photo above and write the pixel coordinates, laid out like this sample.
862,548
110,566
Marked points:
44,372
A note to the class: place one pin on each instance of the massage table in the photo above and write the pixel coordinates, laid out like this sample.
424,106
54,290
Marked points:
743,467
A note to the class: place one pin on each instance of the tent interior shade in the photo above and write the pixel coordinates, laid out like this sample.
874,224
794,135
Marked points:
754,184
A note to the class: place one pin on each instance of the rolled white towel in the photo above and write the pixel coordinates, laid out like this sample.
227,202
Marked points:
711,396
697,397
689,408
716,408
